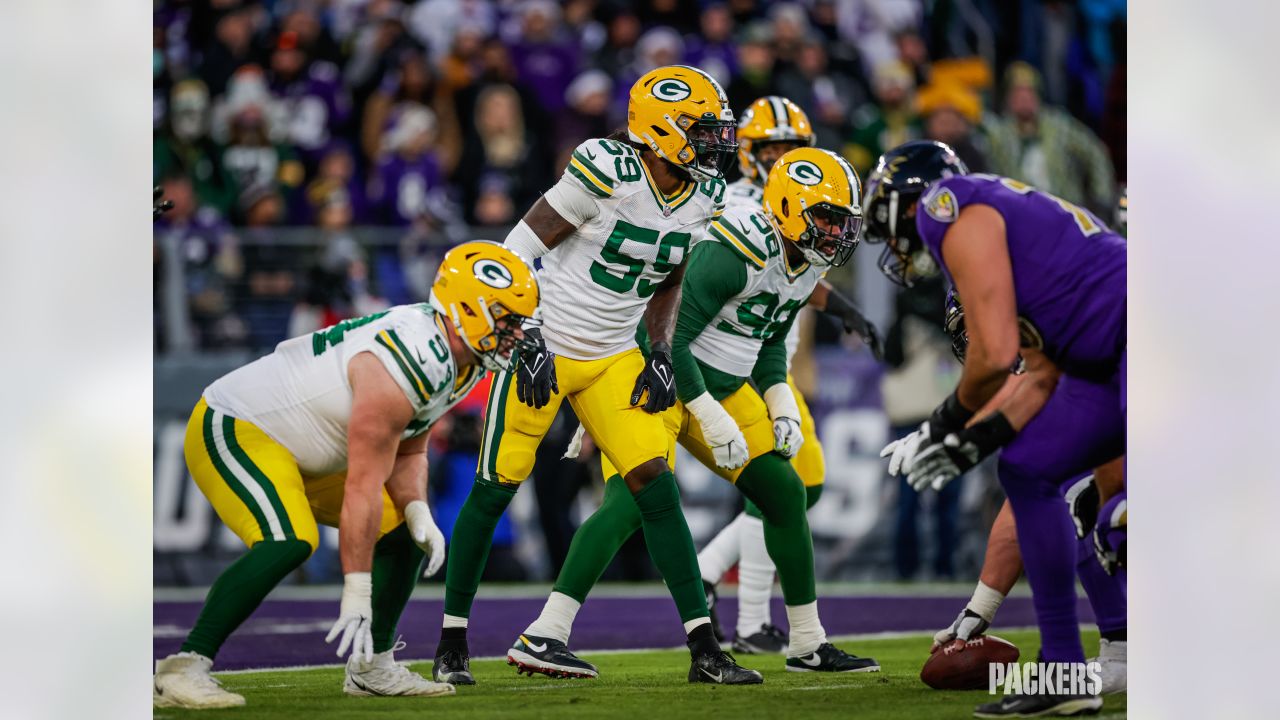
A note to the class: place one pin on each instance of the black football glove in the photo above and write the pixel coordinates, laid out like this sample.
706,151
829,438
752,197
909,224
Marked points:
953,454
659,378
853,321
159,205
536,371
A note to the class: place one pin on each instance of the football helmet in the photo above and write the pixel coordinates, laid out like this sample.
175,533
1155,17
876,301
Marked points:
487,292
953,322
812,197
683,115
771,119
895,186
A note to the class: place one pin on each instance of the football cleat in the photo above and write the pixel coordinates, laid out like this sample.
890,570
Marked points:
1040,706
829,658
385,677
712,599
183,680
1114,658
532,654
720,668
453,667
768,641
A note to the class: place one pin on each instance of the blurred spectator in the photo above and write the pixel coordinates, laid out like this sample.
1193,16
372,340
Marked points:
248,89
184,147
375,47
314,103
886,123
582,23
870,26
588,113
657,47
827,97
755,67
413,81
230,48
504,167
682,15
206,261
258,166
435,22
712,49
1046,147
545,55
336,169
790,26
463,65
497,68
623,31
407,187
950,113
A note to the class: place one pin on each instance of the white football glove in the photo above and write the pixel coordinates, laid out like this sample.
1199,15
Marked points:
425,533
354,616
785,413
974,619
902,452
728,446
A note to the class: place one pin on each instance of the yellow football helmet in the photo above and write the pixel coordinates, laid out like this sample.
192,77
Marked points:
813,198
768,120
478,284
683,115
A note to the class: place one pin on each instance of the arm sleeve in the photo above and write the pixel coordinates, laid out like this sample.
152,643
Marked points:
573,203
771,363
714,275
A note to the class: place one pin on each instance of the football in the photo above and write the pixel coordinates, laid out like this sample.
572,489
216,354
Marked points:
962,665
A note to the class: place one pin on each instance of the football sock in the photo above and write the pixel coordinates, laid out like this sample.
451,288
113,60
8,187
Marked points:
1047,539
1108,594
755,578
556,619
772,485
397,562
452,638
469,546
721,553
240,589
702,639
806,629
598,539
666,533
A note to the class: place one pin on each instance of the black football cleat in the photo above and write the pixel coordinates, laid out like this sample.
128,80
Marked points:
829,658
712,599
770,640
1021,706
720,668
549,657
454,667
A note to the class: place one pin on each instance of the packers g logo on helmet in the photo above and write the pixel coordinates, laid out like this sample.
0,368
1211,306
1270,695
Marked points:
671,90
804,172
492,273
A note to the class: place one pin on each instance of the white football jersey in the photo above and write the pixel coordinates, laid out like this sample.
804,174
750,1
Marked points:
597,282
300,396
773,294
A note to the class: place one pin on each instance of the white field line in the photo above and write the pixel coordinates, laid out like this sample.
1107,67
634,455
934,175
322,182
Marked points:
889,635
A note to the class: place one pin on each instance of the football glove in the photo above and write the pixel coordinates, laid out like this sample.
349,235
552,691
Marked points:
968,624
425,533
902,452
854,321
1110,536
1082,497
785,412
354,616
728,446
536,371
659,378
942,461
159,206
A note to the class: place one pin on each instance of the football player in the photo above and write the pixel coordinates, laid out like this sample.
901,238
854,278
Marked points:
1002,565
612,236
742,291
769,128
331,428
984,232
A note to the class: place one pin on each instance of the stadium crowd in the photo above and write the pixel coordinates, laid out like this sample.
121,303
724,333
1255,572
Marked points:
437,119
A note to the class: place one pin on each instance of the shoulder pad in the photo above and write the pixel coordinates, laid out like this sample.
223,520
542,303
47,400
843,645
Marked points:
602,166
747,233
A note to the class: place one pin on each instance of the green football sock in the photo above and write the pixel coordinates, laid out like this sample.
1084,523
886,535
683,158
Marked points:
598,540
397,563
666,533
773,488
239,590
469,546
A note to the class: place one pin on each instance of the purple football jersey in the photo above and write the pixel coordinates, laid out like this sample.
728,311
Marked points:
1069,269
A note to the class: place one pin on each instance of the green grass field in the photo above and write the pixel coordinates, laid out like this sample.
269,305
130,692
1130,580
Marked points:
633,685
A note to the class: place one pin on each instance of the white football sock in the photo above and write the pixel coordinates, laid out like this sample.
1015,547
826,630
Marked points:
453,621
689,626
556,620
806,629
755,577
721,553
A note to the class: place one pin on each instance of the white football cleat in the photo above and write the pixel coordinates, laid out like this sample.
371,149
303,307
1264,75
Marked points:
183,680
1114,658
383,676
